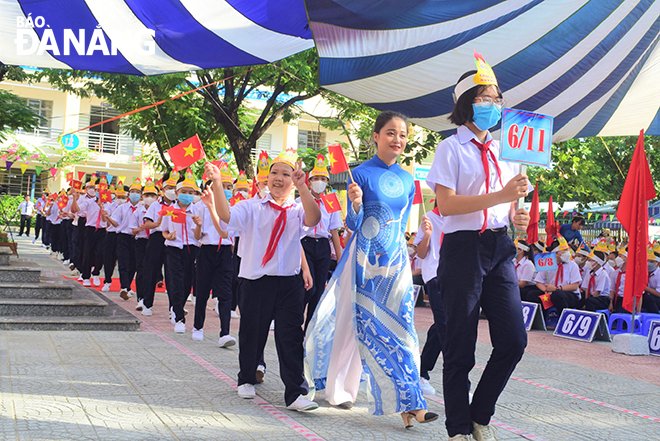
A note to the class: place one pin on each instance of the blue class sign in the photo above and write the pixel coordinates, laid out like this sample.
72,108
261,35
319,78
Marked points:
526,137
582,325
70,141
545,262
654,338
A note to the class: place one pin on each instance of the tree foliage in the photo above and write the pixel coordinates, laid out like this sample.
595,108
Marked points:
592,170
14,112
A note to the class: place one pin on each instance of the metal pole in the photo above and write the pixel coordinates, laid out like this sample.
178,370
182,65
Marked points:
632,320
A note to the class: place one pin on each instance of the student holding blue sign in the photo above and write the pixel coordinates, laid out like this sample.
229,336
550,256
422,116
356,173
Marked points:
563,284
476,195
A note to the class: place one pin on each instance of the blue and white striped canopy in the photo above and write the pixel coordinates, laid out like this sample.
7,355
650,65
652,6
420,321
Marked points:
593,65
144,37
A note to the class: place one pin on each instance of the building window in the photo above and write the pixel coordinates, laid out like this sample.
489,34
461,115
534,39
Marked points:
14,183
263,143
311,139
42,108
104,138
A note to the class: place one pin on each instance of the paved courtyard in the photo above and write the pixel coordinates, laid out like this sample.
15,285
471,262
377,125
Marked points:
155,385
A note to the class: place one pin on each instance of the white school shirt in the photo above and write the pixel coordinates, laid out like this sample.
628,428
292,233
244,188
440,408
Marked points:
622,284
54,216
328,222
90,208
253,220
136,219
429,263
26,207
210,235
110,208
654,280
39,205
602,283
525,270
180,240
457,166
122,215
152,212
611,272
571,275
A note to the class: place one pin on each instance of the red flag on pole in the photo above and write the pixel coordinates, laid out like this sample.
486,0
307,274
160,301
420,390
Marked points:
178,215
550,225
81,176
69,177
546,301
186,153
337,159
331,202
534,218
105,196
634,217
418,199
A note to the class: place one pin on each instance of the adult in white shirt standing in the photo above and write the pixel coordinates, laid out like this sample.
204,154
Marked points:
27,210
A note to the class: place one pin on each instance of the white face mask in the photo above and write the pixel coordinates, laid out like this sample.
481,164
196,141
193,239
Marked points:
565,257
619,262
196,198
411,250
588,265
318,186
243,193
263,192
148,200
611,263
652,266
170,194
91,192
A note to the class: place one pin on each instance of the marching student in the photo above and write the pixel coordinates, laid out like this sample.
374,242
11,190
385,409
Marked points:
563,284
154,257
215,266
66,228
39,209
181,248
476,195
316,243
271,285
525,271
141,233
95,225
54,220
428,241
597,283
121,218
110,245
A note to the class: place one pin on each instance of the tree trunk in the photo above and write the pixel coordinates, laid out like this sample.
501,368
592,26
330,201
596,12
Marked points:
242,153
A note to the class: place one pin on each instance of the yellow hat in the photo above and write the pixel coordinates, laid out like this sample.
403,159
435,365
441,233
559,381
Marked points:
520,246
582,249
149,186
484,77
120,191
92,180
651,256
611,247
563,245
263,166
226,175
602,247
172,180
242,181
622,251
137,185
320,167
188,181
288,157
111,189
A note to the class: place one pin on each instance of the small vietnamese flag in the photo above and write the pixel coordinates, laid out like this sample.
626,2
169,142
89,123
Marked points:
76,185
236,199
546,301
254,190
81,176
69,177
418,199
177,215
105,196
337,159
186,153
331,202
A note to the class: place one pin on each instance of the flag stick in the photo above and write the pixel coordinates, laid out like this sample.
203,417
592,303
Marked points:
521,201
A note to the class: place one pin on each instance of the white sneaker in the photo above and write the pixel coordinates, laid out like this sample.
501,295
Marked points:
80,279
96,280
131,293
246,391
140,305
172,316
216,308
198,334
72,266
302,404
272,325
461,438
86,282
66,262
234,315
261,373
147,312
34,240
106,287
123,294
190,298
426,387
483,433
226,341
180,327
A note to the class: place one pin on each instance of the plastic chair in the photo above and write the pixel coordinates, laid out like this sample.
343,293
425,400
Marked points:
604,311
617,321
647,318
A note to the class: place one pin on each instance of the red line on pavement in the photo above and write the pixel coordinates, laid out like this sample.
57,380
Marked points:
587,399
220,375
497,423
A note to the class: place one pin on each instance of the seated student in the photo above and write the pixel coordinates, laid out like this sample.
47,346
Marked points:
596,285
651,297
564,283
581,257
618,283
524,265
271,267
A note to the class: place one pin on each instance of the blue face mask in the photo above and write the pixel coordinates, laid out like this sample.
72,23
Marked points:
228,194
134,197
185,199
486,115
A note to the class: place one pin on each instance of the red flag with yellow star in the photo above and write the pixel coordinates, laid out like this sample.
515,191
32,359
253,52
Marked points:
105,196
331,202
546,301
337,159
186,153
178,215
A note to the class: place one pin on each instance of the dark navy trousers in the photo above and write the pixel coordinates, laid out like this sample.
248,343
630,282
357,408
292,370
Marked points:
435,336
317,252
477,271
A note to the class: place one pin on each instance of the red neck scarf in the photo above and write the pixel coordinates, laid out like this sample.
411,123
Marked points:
559,276
485,151
592,284
276,233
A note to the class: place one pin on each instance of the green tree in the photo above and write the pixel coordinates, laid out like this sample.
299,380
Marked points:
14,112
592,170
